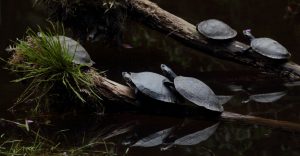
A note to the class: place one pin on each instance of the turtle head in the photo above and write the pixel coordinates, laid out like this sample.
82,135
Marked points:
248,33
126,76
168,72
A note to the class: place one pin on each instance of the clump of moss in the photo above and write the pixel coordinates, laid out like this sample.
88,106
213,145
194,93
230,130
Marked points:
44,64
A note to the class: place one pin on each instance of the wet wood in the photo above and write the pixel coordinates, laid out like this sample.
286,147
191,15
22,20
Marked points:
154,16
114,91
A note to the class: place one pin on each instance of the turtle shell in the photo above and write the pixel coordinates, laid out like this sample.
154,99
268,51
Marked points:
198,93
270,48
151,84
216,29
76,51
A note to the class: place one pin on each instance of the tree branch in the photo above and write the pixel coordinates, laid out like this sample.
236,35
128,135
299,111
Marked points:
185,32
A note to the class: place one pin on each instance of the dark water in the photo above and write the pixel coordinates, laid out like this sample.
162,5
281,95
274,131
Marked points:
253,92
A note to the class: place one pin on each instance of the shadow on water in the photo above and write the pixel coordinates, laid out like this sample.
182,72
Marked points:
252,92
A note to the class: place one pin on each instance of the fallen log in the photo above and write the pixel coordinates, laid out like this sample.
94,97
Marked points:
108,90
185,32
114,91
157,18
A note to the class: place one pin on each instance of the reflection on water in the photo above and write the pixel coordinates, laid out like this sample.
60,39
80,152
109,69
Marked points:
191,138
150,49
267,97
184,134
161,135
154,139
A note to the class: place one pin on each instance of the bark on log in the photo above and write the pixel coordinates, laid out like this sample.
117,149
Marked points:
117,92
185,32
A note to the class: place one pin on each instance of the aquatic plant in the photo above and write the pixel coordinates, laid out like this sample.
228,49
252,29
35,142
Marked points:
45,65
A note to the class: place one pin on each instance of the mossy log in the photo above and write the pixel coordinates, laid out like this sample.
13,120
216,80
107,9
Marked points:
155,17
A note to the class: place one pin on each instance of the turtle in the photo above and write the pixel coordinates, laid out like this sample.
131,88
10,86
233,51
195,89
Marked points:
77,51
74,49
267,47
216,30
151,85
193,90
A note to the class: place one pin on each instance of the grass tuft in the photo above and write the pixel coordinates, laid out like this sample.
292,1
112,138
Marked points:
45,65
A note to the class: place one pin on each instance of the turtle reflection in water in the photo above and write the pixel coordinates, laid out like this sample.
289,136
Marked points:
267,47
193,90
216,30
161,137
266,97
154,139
150,84
193,138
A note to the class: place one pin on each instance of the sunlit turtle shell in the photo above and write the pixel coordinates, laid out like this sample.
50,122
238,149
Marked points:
216,29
